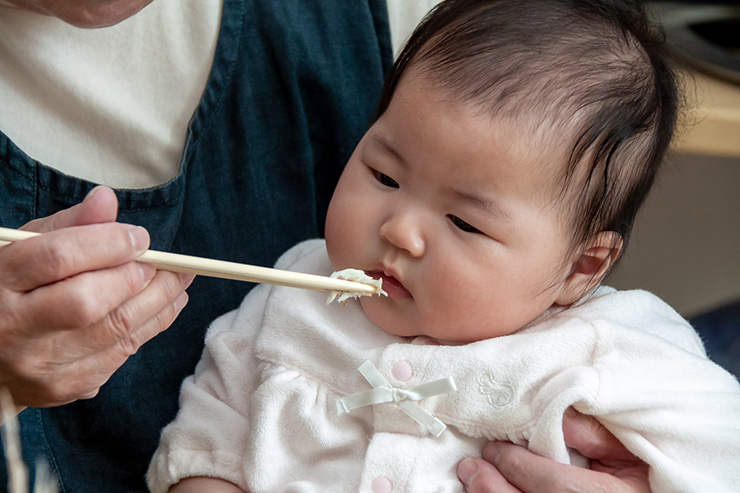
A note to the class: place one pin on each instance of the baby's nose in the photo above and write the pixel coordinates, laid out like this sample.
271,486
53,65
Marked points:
403,231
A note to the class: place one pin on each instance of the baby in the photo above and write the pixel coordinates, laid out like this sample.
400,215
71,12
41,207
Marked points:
513,145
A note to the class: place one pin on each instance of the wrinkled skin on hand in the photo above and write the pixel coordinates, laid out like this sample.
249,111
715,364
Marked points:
74,305
509,468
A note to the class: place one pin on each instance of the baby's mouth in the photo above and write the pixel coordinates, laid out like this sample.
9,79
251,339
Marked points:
391,285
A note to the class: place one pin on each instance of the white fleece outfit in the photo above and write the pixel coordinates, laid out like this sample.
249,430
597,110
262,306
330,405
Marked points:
260,410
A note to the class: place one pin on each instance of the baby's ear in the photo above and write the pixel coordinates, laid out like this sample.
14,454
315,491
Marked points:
591,267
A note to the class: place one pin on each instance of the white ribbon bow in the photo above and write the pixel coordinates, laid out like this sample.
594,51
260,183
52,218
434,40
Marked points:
383,392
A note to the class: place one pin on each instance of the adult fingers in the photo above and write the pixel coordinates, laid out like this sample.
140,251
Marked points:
100,366
99,206
63,366
142,317
532,473
591,439
480,476
130,326
58,255
82,300
608,455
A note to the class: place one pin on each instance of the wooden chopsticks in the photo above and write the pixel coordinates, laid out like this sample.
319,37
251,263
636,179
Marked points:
226,270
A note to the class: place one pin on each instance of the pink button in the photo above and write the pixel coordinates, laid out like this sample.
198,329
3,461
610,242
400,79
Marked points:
381,484
401,371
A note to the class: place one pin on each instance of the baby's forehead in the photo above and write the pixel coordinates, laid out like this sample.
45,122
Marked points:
531,136
542,134
549,109
535,146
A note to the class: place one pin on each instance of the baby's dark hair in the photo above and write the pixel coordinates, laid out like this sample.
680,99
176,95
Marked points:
594,73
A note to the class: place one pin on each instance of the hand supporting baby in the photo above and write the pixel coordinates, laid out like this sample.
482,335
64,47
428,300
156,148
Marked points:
509,468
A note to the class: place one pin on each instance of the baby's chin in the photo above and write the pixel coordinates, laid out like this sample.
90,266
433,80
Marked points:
385,321
394,326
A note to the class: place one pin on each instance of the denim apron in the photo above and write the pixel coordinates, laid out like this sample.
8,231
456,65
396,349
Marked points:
292,89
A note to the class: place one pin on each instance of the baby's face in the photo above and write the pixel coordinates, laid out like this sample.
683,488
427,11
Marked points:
454,212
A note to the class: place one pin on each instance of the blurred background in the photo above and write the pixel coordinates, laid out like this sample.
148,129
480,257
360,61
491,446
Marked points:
686,243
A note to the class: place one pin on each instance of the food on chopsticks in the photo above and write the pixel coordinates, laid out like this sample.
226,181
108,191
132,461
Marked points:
355,275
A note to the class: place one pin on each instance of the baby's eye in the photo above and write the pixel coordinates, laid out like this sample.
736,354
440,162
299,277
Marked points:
385,179
463,225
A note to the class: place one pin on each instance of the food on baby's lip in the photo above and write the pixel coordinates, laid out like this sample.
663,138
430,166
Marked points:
357,276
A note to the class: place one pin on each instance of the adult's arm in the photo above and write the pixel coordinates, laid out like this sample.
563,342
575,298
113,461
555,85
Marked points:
74,305
509,468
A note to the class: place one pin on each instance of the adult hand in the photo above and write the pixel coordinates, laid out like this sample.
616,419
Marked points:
509,468
73,304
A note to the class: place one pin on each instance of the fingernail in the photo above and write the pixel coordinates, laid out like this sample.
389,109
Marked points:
139,239
147,271
466,471
491,451
186,279
181,301
92,192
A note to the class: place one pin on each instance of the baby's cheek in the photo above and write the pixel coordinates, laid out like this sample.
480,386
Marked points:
338,232
452,310
343,246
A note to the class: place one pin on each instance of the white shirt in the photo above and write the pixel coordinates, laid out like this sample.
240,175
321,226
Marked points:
109,105
112,105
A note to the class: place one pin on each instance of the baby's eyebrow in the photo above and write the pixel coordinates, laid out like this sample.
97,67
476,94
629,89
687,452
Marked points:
385,147
487,204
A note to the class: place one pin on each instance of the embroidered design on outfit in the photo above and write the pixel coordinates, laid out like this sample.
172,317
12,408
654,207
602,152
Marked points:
406,399
497,393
